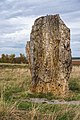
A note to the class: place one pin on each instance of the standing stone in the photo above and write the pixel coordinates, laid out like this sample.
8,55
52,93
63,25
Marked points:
49,55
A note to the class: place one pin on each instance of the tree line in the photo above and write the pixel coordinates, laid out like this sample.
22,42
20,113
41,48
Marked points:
5,58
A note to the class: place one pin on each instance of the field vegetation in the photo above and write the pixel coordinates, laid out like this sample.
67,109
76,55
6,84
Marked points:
15,80
5,58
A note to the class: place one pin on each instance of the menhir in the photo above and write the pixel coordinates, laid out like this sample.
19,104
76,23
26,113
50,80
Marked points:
49,55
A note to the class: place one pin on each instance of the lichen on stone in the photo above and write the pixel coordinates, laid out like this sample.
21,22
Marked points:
49,55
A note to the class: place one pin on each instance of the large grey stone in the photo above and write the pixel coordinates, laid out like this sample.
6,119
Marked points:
49,55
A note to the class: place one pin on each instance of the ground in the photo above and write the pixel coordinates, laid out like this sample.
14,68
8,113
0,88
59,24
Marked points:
16,103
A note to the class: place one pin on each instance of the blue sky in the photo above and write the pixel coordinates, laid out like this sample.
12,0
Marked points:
17,18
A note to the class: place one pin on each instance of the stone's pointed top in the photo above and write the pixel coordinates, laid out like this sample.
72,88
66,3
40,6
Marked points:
42,17
55,17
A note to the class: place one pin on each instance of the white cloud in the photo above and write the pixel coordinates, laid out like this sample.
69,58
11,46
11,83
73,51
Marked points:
21,20
20,35
17,17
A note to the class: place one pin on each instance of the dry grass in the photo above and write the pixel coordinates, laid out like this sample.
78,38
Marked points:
14,84
44,112
75,72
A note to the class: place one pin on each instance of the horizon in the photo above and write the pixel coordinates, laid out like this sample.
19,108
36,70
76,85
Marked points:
17,18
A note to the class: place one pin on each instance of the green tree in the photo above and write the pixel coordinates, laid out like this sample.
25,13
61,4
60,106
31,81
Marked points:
12,58
22,58
7,58
3,58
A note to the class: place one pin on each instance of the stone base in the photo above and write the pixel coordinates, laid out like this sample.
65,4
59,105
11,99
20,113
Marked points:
55,89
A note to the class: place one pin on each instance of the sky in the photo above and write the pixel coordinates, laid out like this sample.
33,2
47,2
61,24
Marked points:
17,18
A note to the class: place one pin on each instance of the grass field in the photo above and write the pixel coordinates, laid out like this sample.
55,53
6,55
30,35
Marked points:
14,85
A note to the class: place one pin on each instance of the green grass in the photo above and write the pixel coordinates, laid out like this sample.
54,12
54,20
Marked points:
48,96
74,85
24,106
14,85
58,112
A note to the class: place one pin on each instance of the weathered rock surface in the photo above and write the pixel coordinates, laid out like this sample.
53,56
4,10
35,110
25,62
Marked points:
49,55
